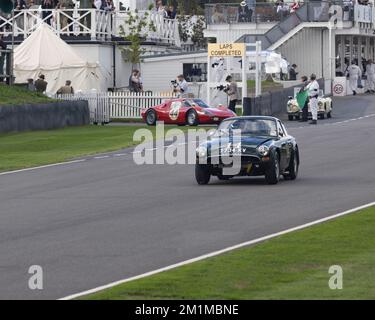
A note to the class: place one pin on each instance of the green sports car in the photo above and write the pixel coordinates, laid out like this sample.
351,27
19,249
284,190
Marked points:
248,146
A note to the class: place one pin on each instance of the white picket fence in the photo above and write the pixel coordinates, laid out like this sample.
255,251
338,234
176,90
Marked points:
105,106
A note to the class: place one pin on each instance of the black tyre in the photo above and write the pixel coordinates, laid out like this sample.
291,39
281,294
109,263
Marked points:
321,116
329,115
151,117
202,174
192,118
293,167
273,172
298,117
290,117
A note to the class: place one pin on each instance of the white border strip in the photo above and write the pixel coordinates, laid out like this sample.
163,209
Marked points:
216,253
42,167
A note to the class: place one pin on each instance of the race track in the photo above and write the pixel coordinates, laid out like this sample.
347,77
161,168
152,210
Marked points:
105,219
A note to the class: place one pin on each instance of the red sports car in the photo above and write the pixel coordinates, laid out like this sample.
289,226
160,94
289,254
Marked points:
186,111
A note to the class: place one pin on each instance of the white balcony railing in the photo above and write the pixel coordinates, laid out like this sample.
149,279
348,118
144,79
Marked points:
166,30
70,22
92,23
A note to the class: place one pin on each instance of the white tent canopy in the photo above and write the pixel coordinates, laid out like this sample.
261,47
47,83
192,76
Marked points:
274,62
43,52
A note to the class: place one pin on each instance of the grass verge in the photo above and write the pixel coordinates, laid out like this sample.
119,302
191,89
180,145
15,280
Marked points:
292,266
35,148
13,95
267,86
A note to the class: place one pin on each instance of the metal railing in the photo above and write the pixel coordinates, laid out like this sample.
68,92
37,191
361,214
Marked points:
233,13
89,23
315,11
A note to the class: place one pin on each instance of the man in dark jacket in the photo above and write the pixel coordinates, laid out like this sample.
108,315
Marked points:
305,110
47,6
41,84
135,81
67,89
293,73
3,46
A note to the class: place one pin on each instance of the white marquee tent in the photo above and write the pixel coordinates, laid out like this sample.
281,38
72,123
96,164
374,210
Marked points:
43,52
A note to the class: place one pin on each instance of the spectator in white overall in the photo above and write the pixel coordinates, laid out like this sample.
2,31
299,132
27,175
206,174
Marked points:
370,72
313,90
354,73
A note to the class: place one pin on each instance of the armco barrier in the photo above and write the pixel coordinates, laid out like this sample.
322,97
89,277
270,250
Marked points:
52,115
270,103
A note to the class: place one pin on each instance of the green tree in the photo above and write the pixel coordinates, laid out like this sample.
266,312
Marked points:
197,36
189,7
133,31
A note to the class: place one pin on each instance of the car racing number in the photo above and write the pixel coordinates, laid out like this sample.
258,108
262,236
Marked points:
232,149
175,110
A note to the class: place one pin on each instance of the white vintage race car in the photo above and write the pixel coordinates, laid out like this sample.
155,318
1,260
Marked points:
325,107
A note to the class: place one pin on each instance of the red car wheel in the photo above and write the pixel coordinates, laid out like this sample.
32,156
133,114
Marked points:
192,118
151,117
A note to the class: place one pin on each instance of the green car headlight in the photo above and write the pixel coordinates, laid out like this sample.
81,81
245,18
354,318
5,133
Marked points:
263,150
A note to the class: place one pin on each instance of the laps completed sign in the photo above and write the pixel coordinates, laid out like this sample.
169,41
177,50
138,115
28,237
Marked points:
226,49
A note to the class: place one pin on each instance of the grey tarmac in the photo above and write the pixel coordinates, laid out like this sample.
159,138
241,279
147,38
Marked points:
97,221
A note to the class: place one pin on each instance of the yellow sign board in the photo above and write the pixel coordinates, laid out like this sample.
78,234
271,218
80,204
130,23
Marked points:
226,49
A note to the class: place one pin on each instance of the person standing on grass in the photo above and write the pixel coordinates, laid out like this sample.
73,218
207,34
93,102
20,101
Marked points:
31,85
41,84
67,89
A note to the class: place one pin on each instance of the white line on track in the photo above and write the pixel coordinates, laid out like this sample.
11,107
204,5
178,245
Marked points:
101,157
120,154
335,123
42,167
219,252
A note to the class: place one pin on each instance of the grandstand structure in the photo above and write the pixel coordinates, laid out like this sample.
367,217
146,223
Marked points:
96,34
321,37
